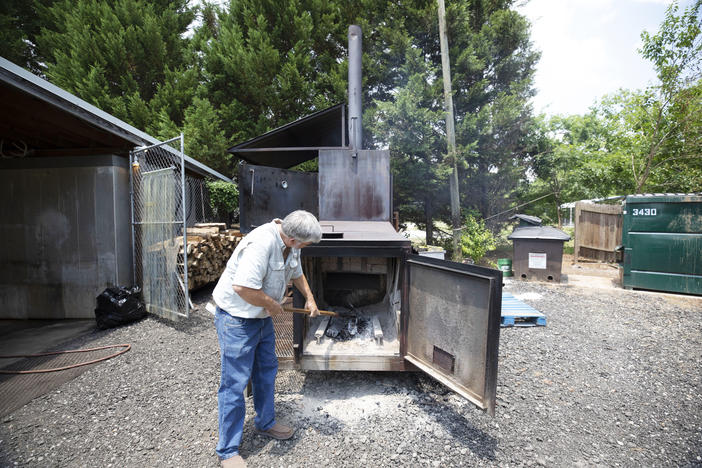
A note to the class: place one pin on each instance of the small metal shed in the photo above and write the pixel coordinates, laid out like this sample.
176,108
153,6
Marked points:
662,242
538,250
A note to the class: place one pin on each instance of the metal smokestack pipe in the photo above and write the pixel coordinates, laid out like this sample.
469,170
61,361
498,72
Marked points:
355,82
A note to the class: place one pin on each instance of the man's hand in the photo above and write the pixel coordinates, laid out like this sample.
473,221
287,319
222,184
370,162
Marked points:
311,305
258,298
274,309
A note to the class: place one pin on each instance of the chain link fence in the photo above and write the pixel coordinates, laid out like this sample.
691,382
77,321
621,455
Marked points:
165,200
158,221
197,204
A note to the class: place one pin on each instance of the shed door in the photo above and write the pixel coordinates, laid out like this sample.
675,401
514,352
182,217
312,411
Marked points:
453,325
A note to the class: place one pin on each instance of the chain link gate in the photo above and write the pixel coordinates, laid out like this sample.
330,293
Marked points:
159,228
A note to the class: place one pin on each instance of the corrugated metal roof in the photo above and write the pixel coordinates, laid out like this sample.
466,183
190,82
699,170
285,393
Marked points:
539,232
38,88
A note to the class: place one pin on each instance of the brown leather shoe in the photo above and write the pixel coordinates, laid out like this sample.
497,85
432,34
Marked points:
234,462
278,431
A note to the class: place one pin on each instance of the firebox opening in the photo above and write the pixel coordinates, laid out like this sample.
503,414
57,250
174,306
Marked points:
364,292
354,290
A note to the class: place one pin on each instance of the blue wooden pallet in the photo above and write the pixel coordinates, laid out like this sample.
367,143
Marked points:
516,313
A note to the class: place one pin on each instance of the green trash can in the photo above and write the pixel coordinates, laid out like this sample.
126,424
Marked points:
505,265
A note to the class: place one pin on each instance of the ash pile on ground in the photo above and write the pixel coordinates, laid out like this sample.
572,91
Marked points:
613,380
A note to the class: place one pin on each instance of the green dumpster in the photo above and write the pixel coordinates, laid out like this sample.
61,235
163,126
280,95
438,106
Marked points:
662,243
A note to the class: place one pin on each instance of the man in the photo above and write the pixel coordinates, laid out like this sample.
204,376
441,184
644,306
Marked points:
250,290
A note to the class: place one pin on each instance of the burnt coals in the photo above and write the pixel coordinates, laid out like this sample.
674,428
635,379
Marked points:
347,328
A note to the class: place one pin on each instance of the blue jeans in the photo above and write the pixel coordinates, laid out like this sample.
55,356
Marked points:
247,350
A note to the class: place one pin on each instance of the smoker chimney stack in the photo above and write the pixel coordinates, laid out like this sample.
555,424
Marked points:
355,82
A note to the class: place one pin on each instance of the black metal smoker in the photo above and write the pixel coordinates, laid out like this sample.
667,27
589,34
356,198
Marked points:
437,316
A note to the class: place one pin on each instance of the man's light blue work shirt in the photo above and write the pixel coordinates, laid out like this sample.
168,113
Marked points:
257,263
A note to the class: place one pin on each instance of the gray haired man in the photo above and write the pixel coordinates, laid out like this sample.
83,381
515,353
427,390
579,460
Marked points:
249,291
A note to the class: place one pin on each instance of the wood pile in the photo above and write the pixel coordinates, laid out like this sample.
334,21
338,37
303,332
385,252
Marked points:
209,247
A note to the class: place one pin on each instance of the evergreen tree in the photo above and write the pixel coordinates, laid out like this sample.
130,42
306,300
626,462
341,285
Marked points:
203,135
267,63
117,54
492,67
410,125
20,23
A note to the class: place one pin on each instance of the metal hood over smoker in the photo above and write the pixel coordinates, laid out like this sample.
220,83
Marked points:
354,184
443,317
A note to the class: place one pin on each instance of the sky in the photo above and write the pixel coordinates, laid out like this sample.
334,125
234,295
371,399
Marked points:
589,49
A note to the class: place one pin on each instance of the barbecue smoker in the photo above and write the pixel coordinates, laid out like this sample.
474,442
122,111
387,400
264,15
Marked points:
406,311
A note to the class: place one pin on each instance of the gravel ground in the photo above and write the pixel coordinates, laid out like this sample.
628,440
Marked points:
613,380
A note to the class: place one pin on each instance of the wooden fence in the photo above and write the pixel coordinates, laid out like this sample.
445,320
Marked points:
598,230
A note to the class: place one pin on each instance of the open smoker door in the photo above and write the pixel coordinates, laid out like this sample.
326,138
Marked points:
452,325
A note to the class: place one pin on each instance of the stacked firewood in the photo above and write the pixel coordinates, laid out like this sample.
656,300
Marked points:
209,247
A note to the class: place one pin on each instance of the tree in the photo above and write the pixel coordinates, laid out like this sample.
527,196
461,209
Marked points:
668,117
493,72
632,140
476,239
203,135
410,125
268,63
116,55
20,24
254,65
492,66
573,158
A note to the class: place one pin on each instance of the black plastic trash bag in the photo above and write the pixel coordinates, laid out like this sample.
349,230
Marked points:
119,306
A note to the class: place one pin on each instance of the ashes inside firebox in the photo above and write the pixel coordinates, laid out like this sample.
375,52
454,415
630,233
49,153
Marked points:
363,292
347,326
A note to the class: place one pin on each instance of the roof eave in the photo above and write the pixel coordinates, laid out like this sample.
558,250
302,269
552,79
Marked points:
31,84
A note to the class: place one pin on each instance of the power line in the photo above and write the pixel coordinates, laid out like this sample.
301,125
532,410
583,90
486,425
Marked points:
519,206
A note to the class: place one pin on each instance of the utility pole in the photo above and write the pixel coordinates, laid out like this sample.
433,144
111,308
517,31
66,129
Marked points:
450,135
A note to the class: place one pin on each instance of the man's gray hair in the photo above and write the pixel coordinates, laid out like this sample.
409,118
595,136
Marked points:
302,226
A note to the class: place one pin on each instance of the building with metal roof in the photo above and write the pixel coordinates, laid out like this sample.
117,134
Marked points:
65,212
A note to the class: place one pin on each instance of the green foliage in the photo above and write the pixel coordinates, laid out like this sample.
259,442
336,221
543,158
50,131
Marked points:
20,24
204,136
307,166
116,55
667,118
632,140
409,124
224,198
268,63
476,239
491,67
675,49
250,66
573,158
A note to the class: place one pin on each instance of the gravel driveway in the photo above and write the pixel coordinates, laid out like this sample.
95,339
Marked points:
614,379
